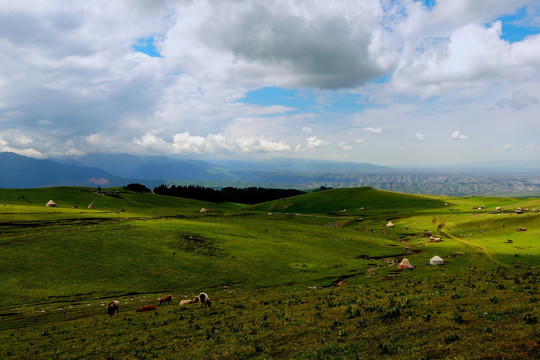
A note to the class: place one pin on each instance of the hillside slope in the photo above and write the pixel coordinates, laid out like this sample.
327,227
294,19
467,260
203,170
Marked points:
353,200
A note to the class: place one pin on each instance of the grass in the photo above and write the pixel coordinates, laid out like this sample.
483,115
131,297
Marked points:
268,269
421,318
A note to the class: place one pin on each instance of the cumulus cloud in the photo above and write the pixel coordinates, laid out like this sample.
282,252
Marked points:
151,141
450,48
185,143
260,144
6,145
313,142
509,147
458,136
532,147
307,43
71,80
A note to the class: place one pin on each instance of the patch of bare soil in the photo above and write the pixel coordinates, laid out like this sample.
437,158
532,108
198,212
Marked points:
197,244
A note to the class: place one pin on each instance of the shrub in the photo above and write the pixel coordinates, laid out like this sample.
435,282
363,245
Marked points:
391,313
137,188
384,348
457,318
448,339
530,319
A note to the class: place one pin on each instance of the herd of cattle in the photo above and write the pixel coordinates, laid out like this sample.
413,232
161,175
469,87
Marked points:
114,306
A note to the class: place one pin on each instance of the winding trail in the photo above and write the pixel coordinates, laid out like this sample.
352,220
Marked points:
482,250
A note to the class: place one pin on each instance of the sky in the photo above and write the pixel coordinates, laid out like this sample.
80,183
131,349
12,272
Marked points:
388,82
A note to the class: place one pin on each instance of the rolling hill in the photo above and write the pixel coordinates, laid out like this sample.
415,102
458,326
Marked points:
293,278
352,201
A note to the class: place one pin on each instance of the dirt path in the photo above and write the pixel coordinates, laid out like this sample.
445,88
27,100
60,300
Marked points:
482,250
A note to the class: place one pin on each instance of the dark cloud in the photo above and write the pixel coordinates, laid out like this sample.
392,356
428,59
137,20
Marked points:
322,50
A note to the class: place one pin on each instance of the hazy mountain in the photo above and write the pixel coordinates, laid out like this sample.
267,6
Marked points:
117,164
153,167
477,168
117,170
23,172
304,166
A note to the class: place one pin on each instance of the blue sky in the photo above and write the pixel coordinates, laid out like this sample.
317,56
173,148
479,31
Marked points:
390,82
146,46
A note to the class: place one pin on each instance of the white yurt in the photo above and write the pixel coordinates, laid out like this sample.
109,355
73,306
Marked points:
436,260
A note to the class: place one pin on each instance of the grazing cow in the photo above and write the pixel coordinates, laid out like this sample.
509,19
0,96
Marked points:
165,299
204,299
189,301
146,308
112,307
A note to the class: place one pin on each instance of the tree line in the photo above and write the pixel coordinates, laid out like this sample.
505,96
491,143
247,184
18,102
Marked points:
250,195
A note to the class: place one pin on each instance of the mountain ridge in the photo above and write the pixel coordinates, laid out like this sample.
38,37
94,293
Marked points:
111,170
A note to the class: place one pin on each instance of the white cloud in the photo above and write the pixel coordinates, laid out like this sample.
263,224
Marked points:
450,48
314,142
373,130
532,147
185,143
70,81
24,140
260,144
5,146
458,136
344,146
151,141
509,147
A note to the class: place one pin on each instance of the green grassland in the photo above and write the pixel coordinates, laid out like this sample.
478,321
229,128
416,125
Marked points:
272,271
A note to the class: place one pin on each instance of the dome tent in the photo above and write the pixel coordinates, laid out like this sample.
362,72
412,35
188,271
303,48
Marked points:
50,204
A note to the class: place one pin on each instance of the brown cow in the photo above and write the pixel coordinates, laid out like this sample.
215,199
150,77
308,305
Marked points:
165,299
112,307
146,308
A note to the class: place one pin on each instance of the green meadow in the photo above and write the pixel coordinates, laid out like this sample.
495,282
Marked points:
307,277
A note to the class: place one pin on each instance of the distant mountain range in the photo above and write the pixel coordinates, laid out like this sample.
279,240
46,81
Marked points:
108,170
18,171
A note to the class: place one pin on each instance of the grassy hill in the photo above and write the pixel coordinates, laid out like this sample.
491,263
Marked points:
354,201
271,270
